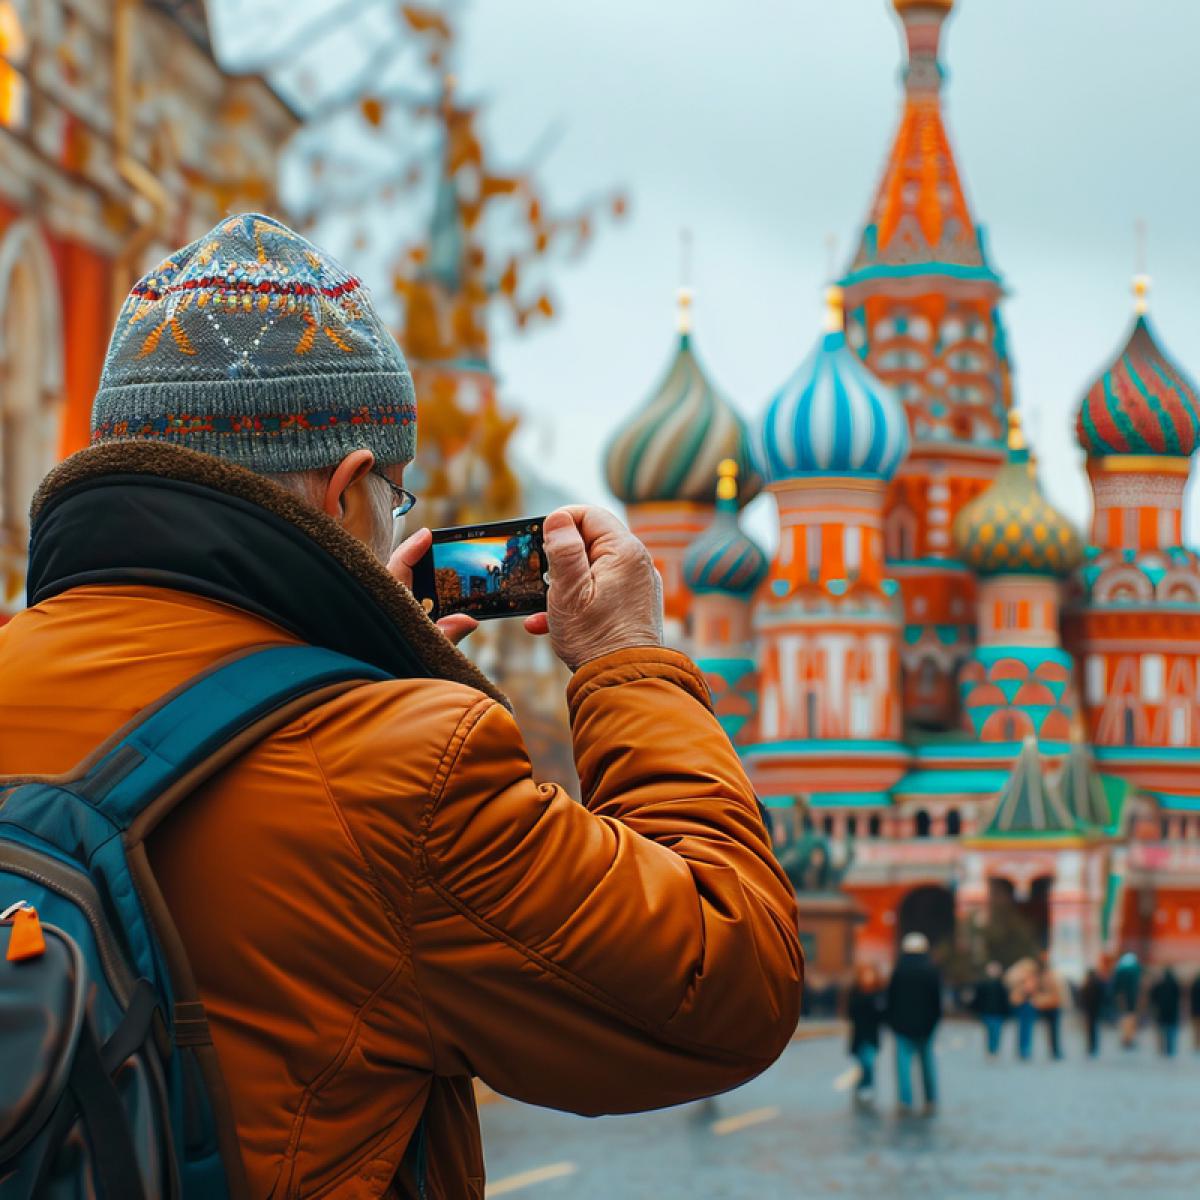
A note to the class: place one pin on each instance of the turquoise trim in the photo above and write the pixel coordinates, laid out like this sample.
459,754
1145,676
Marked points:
941,783
1032,656
849,799
778,801
1167,755
825,746
1182,804
726,667
933,564
917,270
1008,751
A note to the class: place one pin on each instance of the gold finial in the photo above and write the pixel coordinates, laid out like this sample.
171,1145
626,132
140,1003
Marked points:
1141,291
835,315
727,476
1016,435
683,297
683,310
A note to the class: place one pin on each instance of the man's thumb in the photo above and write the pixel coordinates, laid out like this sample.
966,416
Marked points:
565,551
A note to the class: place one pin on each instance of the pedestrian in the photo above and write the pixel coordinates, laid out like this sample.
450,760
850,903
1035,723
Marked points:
991,1004
1165,997
865,1009
1194,1010
1021,980
1092,997
1048,996
1127,987
914,1008
378,900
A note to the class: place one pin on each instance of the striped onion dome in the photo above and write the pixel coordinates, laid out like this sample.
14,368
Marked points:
833,417
1011,528
670,448
1142,403
724,558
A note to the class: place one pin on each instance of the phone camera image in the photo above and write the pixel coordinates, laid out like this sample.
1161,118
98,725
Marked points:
485,571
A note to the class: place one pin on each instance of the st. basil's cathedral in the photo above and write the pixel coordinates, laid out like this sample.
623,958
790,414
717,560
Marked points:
974,707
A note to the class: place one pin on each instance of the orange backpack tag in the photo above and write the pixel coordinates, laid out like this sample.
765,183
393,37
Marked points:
26,939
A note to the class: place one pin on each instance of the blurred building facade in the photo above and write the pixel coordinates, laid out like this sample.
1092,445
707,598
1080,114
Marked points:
120,139
987,719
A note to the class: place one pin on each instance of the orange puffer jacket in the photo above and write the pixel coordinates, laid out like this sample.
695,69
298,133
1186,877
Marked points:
380,902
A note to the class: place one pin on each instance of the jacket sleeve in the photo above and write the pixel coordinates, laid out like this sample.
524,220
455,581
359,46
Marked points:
634,951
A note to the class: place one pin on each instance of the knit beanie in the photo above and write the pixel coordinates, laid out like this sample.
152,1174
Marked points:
255,347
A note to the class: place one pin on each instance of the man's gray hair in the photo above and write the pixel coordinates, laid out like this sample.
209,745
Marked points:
309,487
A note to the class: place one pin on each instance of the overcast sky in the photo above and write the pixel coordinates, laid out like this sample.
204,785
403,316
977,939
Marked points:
762,125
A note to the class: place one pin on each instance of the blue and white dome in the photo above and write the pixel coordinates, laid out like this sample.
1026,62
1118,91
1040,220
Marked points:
833,417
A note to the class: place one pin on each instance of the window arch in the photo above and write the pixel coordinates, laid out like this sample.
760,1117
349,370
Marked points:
953,823
875,825
921,823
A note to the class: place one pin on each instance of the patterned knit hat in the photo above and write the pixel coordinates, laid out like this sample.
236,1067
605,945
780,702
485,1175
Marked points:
253,346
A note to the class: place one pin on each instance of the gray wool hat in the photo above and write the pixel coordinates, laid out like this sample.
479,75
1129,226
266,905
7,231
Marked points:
255,347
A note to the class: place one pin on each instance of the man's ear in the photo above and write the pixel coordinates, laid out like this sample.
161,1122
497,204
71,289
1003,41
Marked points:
352,468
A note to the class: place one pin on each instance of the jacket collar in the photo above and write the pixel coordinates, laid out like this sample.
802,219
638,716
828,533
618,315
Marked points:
135,512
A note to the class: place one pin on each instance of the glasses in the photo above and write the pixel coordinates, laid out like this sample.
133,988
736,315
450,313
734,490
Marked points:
402,498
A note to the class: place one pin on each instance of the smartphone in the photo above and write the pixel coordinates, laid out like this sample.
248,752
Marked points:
495,569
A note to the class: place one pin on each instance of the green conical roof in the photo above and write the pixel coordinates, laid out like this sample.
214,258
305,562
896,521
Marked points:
1082,790
1027,805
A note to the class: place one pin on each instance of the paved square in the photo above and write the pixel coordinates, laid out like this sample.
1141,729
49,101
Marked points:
1121,1126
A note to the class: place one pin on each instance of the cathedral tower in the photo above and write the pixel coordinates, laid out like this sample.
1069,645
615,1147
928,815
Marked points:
662,463
723,568
922,305
1137,626
829,625
1018,680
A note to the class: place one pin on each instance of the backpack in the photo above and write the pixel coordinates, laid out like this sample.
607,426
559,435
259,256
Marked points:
110,1085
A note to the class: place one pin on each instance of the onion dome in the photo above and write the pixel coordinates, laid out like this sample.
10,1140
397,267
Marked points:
1011,529
1142,403
724,558
670,448
833,417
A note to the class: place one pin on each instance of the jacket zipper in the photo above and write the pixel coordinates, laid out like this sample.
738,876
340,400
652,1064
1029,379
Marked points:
77,888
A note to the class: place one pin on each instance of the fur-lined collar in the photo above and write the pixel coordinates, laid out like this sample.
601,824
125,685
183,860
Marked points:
249,516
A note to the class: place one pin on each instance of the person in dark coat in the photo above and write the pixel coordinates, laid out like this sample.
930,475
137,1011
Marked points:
1127,986
914,1008
864,1007
1092,998
1165,998
991,1005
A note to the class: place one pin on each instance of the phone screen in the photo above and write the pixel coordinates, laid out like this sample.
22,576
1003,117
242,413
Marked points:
495,569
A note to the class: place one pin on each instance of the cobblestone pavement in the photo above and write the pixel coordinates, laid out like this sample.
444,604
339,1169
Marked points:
1122,1126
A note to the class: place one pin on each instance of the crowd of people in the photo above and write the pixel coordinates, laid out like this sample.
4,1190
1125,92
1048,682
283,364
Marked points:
1030,993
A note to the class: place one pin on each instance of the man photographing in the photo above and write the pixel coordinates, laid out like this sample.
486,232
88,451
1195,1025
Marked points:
377,900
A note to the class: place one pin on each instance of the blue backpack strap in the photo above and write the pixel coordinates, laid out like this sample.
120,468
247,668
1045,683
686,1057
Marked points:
172,746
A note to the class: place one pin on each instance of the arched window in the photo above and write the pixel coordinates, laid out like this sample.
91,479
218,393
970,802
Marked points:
827,826
851,826
953,823
921,823
1130,726
875,825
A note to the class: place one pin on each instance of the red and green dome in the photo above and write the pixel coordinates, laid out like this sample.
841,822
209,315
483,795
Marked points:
1142,404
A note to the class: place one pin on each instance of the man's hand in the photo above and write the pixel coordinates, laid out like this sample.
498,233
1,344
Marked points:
400,567
605,594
